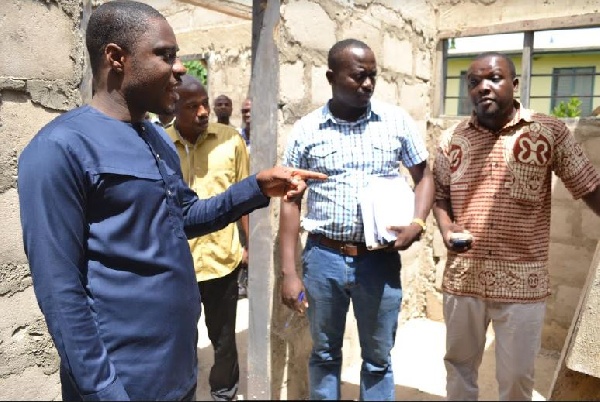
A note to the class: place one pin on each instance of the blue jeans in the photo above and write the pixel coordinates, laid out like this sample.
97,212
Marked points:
372,282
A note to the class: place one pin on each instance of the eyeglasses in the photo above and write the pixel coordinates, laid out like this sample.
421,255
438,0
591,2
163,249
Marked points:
245,110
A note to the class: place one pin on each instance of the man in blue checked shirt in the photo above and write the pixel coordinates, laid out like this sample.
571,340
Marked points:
351,139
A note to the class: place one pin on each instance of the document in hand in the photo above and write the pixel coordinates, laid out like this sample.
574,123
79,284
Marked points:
385,201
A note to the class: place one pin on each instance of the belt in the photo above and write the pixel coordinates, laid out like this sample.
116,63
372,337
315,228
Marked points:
344,247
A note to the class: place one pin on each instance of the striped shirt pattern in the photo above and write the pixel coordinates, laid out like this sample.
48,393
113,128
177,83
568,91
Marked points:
350,153
500,188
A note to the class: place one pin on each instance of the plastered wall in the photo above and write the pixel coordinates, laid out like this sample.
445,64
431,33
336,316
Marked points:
41,72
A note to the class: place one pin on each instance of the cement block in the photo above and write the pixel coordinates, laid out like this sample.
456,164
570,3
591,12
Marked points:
303,19
14,278
584,353
387,91
423,66
30,385
569,264
562,221
11,241
25,30
397,55
18,311
414,97
320,90
559,191
419,11
590,224
18,128
366,29
592,148
565,304
182,20
291,82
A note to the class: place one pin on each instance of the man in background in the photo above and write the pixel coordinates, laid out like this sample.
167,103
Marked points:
223,109
245,133
213,157
246,119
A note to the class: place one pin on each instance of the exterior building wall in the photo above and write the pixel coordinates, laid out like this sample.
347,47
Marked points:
460,15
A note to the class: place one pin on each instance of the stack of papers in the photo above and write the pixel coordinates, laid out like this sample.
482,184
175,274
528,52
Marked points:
385,201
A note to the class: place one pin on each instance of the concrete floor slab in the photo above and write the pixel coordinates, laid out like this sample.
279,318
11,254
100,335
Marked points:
418,363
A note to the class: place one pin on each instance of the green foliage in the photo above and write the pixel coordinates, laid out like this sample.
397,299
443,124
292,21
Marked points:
572,108
197,69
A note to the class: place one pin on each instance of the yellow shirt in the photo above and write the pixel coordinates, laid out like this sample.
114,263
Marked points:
217,160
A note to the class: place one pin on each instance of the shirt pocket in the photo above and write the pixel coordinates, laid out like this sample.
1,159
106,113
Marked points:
385,157
528,183
323,159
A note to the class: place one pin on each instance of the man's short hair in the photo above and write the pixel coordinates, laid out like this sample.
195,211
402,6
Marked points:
511,64
121,22
336,50
225,97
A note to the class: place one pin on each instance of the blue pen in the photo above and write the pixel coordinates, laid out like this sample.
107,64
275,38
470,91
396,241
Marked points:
289,320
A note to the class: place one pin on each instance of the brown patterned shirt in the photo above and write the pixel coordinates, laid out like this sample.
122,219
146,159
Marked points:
499,187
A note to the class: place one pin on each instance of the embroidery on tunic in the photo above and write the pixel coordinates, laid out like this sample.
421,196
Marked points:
528,154
459,155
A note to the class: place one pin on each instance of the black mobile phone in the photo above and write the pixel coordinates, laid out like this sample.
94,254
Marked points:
461,240
460,243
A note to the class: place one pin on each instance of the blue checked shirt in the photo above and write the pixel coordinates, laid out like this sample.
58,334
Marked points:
350,153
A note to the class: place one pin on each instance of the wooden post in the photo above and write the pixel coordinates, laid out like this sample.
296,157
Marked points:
264,90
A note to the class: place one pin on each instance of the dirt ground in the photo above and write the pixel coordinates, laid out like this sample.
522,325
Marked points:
418,363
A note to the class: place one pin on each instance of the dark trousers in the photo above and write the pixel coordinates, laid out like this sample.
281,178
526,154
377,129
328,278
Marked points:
219,299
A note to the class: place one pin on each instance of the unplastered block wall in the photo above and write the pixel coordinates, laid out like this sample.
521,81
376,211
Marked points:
458,15
574,233
223,37
41,66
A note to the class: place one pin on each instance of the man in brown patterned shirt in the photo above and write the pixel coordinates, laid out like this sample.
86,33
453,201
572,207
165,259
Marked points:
493,176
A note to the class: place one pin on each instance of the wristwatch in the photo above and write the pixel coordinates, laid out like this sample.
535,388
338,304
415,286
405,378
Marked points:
421,223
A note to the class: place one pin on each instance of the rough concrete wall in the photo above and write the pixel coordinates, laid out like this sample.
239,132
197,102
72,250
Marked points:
37,82
224,40
573,237
402,38
456,15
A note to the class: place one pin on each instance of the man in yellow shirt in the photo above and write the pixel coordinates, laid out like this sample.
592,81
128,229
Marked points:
213,157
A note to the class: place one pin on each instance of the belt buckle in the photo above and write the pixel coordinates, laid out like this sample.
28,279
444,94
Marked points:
346,249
